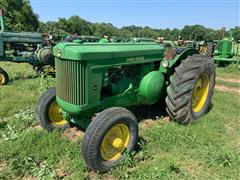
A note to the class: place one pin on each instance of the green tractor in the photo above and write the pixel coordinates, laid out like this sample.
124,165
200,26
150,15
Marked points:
95,82
32,48
225,51
200,46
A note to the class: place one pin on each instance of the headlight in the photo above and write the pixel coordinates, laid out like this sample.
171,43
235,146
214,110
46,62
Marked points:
59,52
165,63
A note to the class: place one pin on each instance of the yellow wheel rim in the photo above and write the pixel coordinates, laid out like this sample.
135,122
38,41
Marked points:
2,79
55,116
115,142
203,49
200,92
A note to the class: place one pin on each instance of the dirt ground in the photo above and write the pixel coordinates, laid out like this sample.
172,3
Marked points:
224,88
228,80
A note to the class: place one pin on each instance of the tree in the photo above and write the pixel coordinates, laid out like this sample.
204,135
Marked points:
108,29
134,30
236,33
211,35
19,15
125,34
48,26
175,33
75,25
195,32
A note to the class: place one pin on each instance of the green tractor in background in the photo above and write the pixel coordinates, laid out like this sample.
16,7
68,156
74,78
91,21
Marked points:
225,51
200,46
29,47
96,81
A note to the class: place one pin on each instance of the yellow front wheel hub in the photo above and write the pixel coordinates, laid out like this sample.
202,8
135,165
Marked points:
115,141
55,116
2,79
200,93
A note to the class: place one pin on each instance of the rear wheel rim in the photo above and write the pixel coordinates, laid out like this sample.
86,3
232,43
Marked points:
55,116
200,93
2,79
114,142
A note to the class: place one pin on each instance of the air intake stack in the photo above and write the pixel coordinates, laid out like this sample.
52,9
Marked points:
2,21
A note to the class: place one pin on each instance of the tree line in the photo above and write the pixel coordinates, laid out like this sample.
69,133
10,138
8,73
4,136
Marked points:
20,17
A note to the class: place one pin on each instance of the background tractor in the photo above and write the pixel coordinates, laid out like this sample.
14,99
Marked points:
32,48
200,46
225,51
96,81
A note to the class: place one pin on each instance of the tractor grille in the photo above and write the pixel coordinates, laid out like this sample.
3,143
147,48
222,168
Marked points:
70,77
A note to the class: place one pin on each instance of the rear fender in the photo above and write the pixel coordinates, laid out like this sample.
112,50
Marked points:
173,63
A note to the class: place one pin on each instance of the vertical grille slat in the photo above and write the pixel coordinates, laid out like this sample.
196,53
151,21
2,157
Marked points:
70,77
83,92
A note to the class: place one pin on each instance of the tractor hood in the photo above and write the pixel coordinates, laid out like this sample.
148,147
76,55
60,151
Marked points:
21,37
97,51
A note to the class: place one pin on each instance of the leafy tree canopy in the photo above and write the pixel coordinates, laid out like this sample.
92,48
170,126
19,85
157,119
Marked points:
19,15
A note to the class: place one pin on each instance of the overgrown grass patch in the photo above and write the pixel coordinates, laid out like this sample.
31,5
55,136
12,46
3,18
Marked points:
38,153
23,90
231,71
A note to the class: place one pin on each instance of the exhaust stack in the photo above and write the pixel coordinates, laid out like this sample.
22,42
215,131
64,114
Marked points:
2,21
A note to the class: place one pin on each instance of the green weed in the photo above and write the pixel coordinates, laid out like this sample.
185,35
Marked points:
231,71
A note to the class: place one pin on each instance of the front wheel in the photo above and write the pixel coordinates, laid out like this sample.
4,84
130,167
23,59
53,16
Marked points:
4,79
38,69
48,112
109,135
191,88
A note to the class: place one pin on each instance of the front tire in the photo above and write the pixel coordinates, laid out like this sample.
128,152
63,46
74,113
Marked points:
191,88
109,135
4,79
48,112
38,69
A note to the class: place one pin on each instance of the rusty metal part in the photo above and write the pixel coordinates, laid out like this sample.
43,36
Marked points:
171,53
1,12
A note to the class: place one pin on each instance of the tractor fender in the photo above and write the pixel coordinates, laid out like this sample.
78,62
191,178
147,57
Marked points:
169,66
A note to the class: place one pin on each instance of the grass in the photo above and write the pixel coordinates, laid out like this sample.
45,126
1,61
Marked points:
208,149
231,71
23,90
228,84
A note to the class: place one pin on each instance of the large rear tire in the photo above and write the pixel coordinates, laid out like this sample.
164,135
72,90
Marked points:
48,112
210,49
109,135
191,88
4,79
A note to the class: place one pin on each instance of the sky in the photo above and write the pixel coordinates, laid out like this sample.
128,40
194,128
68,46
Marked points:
153,13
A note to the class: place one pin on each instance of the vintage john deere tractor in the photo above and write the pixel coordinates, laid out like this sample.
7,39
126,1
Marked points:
95,81
32,48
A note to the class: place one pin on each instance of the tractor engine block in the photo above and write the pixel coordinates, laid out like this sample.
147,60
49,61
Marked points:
118,80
